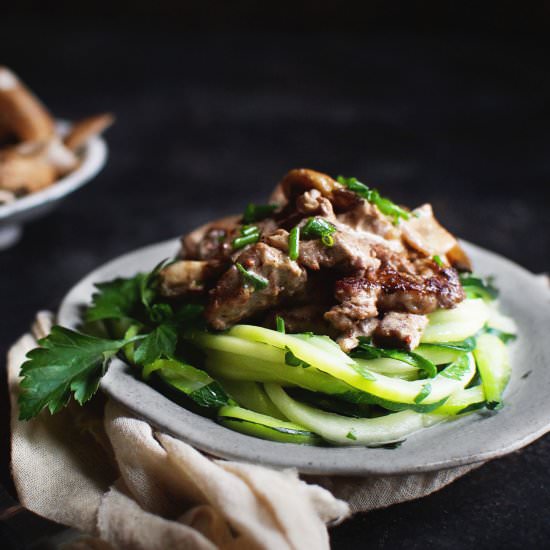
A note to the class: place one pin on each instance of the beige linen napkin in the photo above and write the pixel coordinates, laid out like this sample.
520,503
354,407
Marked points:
101,470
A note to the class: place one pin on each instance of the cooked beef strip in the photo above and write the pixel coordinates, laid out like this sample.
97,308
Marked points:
357,297
366,217
350,339
400,330
305,318
188,277
384,268
232,299
210,241
356,314
350,251
364,295
401,291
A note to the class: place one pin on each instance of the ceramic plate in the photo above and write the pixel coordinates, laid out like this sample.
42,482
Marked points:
478,437
13,215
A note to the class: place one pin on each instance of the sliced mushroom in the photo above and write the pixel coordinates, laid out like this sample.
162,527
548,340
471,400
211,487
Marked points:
33,165
84,129
299,180
458,258
425,234
23,174
21,113
6,197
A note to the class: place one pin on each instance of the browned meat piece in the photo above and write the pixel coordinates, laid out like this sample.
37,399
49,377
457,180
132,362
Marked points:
312,203
425,234
350,339
352,251
187,276
400,330
357,297
366,217
306,318
214,241
356,313
407,292
277,239
232,299
210,241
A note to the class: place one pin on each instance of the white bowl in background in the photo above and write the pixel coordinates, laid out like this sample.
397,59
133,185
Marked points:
13,215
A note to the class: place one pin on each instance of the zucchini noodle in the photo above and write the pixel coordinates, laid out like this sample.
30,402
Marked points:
356,401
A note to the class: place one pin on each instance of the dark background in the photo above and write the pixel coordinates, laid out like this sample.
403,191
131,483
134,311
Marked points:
216,100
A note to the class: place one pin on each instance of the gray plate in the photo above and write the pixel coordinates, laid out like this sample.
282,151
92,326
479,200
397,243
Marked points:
478,437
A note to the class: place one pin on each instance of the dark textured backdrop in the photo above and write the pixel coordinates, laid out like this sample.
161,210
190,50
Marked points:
207,121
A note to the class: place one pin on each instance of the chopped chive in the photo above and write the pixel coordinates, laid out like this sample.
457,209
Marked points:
241,242
280,324
318,227
438,261
257,212
250,278
249,229
327,240
386,206
351,435
294,243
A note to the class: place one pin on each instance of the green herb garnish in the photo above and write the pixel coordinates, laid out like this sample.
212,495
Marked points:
292,361
256,212
65,362
319,228
351,435
386,206
456,370
250,278
294,243
478,287
69,363
438,261
365,350
423,393
468,344
250,234
280,324
504,336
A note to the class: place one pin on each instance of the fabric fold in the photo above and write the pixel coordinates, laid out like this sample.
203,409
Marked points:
125,485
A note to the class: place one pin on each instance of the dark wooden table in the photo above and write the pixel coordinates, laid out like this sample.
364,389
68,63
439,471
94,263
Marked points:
207,122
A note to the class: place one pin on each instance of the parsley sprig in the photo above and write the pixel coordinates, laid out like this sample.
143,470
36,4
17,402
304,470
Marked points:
69,363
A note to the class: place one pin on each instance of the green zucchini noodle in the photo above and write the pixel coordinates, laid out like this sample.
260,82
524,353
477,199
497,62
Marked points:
303,389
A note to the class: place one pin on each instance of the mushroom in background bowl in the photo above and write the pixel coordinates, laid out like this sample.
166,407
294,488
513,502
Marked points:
41,160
